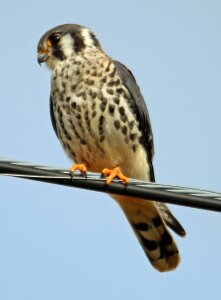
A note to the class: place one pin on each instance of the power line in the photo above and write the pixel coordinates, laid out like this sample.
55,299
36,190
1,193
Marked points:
150,191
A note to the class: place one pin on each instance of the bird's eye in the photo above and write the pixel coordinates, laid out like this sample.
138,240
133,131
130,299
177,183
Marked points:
54,39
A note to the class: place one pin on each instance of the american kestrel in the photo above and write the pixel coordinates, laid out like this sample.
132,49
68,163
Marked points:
101,119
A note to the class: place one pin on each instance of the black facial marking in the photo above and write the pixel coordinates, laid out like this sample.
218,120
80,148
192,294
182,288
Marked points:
58,53
78,42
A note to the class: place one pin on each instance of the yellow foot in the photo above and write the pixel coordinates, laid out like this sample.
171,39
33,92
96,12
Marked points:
81,167
116,172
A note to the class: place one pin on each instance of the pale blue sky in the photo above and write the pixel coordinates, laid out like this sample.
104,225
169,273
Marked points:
62,243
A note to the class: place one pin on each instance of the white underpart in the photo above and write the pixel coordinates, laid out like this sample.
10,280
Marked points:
115,151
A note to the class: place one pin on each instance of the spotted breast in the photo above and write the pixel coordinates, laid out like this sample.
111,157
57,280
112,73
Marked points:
102,121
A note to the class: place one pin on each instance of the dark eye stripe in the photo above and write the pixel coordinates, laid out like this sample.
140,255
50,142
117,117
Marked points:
78,42
58,53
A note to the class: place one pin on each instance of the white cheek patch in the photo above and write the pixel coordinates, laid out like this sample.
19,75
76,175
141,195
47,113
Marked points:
88,41
67,45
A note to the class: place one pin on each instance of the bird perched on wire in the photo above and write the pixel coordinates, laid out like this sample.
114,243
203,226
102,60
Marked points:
101,119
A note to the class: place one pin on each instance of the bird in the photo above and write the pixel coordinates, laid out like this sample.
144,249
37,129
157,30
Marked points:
100,117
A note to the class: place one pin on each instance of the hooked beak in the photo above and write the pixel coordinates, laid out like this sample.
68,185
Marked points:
42,57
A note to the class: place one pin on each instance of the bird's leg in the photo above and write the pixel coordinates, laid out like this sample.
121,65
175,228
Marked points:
80,167
116,172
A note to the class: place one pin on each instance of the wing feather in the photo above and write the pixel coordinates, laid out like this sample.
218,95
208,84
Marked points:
140,110
52,116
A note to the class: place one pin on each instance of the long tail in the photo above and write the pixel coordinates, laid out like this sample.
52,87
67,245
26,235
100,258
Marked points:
151,232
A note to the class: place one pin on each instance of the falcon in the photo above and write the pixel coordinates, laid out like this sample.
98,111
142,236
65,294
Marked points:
101,119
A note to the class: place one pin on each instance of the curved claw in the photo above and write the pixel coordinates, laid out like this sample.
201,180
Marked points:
116,172
79,167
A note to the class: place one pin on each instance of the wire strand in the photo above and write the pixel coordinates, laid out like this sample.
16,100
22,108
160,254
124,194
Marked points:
146,190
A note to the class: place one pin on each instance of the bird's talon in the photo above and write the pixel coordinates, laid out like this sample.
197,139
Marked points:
111,174
84,174
72,175
78,167
102,176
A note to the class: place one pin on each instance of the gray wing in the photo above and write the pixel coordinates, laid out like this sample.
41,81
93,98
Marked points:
52,116
140,109
170,220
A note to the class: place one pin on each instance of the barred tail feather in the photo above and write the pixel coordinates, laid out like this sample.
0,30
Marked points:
151,232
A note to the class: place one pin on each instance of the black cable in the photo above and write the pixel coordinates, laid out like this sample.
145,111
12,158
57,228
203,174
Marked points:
150,191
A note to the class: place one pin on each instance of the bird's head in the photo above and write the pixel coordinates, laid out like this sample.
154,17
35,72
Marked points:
64,41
